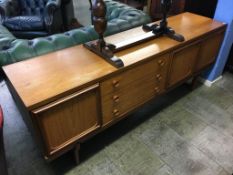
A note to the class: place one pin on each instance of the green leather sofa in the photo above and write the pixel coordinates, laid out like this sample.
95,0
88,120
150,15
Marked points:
120,18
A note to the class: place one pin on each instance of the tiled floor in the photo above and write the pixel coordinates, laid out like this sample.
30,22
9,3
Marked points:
182,133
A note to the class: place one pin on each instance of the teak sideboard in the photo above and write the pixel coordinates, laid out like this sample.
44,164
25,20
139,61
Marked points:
67,96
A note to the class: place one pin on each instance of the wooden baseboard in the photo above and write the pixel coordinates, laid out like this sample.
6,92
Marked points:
209,83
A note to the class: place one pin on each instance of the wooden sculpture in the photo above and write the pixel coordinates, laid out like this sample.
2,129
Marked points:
162,28
99,46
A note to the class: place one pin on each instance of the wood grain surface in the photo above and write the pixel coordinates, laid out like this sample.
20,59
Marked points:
46,78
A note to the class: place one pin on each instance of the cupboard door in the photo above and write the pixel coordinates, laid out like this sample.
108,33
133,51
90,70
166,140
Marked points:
66,120
183,61
209,51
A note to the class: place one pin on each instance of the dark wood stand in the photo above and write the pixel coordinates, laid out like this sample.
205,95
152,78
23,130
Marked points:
162,28
100,47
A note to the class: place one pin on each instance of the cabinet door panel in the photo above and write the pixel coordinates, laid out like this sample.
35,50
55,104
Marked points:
66,121
209,51
183,61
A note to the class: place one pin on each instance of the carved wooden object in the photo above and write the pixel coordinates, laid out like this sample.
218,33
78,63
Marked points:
100,47
162,28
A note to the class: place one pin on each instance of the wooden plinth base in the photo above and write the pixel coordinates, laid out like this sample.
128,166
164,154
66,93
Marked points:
104,53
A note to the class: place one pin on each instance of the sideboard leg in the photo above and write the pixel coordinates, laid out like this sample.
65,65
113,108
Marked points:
194,83
76,153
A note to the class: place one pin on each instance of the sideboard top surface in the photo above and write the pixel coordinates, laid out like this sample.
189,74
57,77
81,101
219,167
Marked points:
188,24
43,79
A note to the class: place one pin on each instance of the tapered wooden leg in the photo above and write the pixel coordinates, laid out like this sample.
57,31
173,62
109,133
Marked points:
76,153
194,83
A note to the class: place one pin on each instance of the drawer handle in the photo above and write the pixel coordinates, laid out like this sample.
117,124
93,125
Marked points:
157,90
65,99
115,83
116,98
116,112
161,63
159,77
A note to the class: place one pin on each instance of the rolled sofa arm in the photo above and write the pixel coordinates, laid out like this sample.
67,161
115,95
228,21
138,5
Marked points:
5,8
51,9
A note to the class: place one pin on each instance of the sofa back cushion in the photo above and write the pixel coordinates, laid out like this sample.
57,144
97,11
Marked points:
32,7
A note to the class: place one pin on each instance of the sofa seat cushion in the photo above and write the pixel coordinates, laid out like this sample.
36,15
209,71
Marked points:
24,23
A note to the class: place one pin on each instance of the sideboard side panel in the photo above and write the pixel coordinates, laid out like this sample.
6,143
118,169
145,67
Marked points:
209,50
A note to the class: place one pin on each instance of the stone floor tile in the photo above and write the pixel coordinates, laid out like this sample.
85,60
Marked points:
133,157
160,139
214,93
165,170
183,158
224,172
183,122
211,114
188,160
230,110
226,82
98,164
216,146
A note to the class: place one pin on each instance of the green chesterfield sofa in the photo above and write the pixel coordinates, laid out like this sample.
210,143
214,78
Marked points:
120,18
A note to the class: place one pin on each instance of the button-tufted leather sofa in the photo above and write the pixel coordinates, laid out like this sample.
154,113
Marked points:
120,18
31,18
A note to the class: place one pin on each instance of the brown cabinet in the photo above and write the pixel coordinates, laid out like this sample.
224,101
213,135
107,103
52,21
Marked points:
68,119
128,90
77,94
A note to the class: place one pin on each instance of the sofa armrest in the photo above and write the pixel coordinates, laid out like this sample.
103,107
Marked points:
52,14
5,8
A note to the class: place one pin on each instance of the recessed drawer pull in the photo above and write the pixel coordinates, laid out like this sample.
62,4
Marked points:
65,99
159,77
161,62
116,98
115,83
157,89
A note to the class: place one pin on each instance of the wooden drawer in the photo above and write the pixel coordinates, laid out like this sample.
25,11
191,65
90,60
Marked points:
183,62
126,91
66,120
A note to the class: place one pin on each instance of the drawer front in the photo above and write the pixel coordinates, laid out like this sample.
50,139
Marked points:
183,62
128,90
65,121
